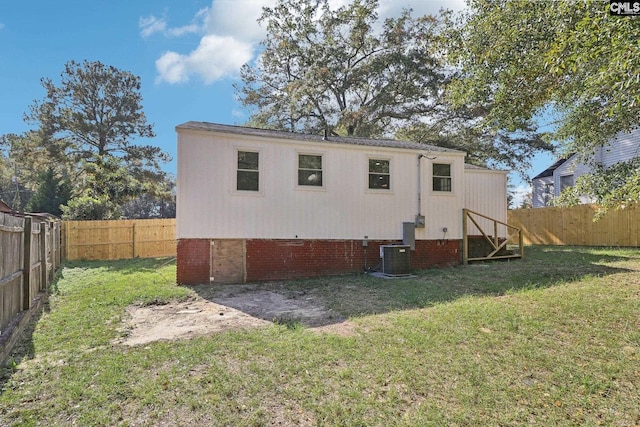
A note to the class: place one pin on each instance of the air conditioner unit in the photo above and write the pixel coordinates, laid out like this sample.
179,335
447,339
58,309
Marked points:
396,260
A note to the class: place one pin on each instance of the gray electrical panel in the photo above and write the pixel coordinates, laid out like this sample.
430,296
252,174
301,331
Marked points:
409,235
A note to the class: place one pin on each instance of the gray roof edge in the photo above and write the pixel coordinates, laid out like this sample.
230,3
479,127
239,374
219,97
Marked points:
470,167
271,133
549,171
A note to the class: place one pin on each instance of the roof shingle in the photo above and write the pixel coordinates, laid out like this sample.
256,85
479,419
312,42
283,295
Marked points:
270,133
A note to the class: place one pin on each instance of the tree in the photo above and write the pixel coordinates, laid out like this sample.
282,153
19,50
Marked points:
484,146
53,192
86,207
147,206
87,122
324,69
344,72
570,61
12,188
20,168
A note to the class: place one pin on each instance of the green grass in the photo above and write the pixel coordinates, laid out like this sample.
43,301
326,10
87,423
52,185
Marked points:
550,340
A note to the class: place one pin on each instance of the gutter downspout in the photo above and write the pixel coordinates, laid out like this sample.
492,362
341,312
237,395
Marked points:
419,221
420,156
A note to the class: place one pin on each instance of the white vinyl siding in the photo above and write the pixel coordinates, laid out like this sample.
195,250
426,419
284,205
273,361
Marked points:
481,187
543,191
624,148
345,208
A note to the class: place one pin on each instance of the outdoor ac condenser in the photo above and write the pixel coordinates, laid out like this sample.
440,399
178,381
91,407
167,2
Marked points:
396,260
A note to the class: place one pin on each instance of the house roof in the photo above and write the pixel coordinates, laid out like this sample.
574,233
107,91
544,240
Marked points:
5,207
549,171
270,133
476,167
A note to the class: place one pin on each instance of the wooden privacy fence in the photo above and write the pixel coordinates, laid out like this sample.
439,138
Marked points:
575,226
29,256
119,239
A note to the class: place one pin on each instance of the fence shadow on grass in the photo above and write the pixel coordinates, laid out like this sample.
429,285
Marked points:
330,300
23,349
123,266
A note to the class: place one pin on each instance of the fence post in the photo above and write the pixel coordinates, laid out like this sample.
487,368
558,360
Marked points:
133,232
56,247
67,254
521,243
26,264
43,256
52,248
465,238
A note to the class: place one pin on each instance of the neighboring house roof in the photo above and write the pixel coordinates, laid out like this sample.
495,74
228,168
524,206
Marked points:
5,207
549,171
269,133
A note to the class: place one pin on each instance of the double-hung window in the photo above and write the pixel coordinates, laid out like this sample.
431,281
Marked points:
248,174
379,176
442,177
566,181
310,170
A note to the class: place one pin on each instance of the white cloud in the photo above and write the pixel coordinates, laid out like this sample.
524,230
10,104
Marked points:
230,34
150,25
197,25
181,31
238,114
389,8
171,67
237,18
215,58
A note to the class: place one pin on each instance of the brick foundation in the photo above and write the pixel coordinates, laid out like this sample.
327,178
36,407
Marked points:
194,257
278,259
479,247
436,253
291,259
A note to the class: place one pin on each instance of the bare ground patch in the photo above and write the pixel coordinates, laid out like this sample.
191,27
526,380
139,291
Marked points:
220,308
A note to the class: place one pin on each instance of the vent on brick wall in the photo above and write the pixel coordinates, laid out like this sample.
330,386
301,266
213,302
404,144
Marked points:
396,260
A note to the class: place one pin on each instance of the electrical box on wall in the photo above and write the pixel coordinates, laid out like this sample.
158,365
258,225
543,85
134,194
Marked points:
409,235
419,221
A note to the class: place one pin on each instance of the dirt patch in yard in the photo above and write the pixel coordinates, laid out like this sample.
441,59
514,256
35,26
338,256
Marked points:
224,307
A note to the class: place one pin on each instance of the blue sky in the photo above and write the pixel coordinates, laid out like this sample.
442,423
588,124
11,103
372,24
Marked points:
187,53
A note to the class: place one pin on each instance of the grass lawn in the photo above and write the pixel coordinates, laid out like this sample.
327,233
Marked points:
551,340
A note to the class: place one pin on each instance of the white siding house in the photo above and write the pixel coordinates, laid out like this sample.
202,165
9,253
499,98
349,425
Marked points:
273,204
482,187
563,173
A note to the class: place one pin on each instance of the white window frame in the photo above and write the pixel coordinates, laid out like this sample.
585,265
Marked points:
450,176
260,190
322,171
369,173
